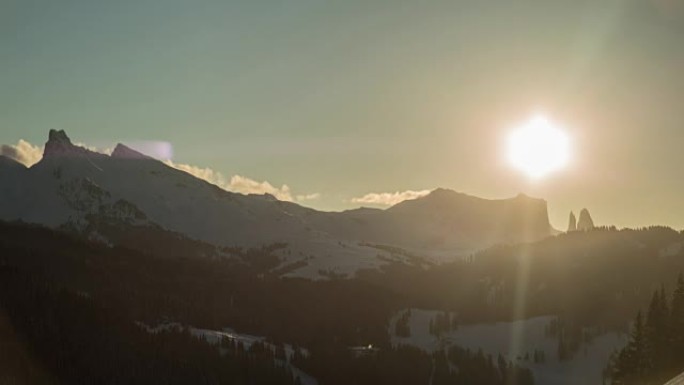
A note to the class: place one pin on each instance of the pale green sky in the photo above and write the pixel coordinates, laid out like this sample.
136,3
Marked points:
349,97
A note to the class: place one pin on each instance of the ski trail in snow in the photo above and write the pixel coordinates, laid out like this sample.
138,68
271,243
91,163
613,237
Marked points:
94,165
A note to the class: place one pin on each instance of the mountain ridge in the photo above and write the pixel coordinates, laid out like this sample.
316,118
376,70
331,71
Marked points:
74,187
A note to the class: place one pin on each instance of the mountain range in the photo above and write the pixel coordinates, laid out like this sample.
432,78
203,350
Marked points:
132,199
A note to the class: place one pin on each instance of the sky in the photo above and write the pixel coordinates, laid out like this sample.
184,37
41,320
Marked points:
328,101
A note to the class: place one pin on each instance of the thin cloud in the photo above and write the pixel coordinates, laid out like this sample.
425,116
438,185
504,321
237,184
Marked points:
308,197
204,173
244,185
106,151
389,198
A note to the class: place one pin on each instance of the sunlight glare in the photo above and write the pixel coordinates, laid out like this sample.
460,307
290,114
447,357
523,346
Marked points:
538,148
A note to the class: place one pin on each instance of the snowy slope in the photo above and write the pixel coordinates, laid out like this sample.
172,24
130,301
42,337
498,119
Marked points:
679,380
215,337
514,340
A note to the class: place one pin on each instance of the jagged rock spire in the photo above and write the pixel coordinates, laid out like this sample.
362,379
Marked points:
585,222
572,223
58,136
58,144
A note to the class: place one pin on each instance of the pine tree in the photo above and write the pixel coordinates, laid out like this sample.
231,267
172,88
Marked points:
631,365
651,329
656,332
677,320
562,351
502,365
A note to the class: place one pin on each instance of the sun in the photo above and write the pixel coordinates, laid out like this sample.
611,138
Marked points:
538,148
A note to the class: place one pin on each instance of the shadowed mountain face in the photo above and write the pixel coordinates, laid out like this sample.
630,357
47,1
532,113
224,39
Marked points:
74,188
446,220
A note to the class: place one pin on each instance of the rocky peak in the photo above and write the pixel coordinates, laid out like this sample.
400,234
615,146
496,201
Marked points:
572,223
122,151
59,144
58,136
585,222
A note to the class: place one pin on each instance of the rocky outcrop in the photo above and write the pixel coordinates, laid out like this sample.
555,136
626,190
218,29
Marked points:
59,145
572,223
585,222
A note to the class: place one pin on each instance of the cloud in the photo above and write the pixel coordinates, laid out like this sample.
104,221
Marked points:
23,152
246,185
308,197
207,174
389,199
242,184
29,154
106,150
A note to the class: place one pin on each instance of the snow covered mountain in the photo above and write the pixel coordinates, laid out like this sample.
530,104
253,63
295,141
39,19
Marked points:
77,189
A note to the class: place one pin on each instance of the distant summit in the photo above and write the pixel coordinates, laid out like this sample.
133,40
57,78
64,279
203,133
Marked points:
446,218
124,152
585,222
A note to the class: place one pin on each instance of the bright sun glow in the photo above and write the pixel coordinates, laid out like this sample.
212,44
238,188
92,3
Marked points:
538,148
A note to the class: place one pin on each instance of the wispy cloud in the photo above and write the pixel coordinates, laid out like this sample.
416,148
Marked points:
389,198
205,173
23,152
107,150
308,197
242,184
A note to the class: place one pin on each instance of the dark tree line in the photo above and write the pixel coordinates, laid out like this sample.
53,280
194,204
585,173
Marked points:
70,309
205,293
655,351
590,278
402,327
597,278
408,365
57,336
463,366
